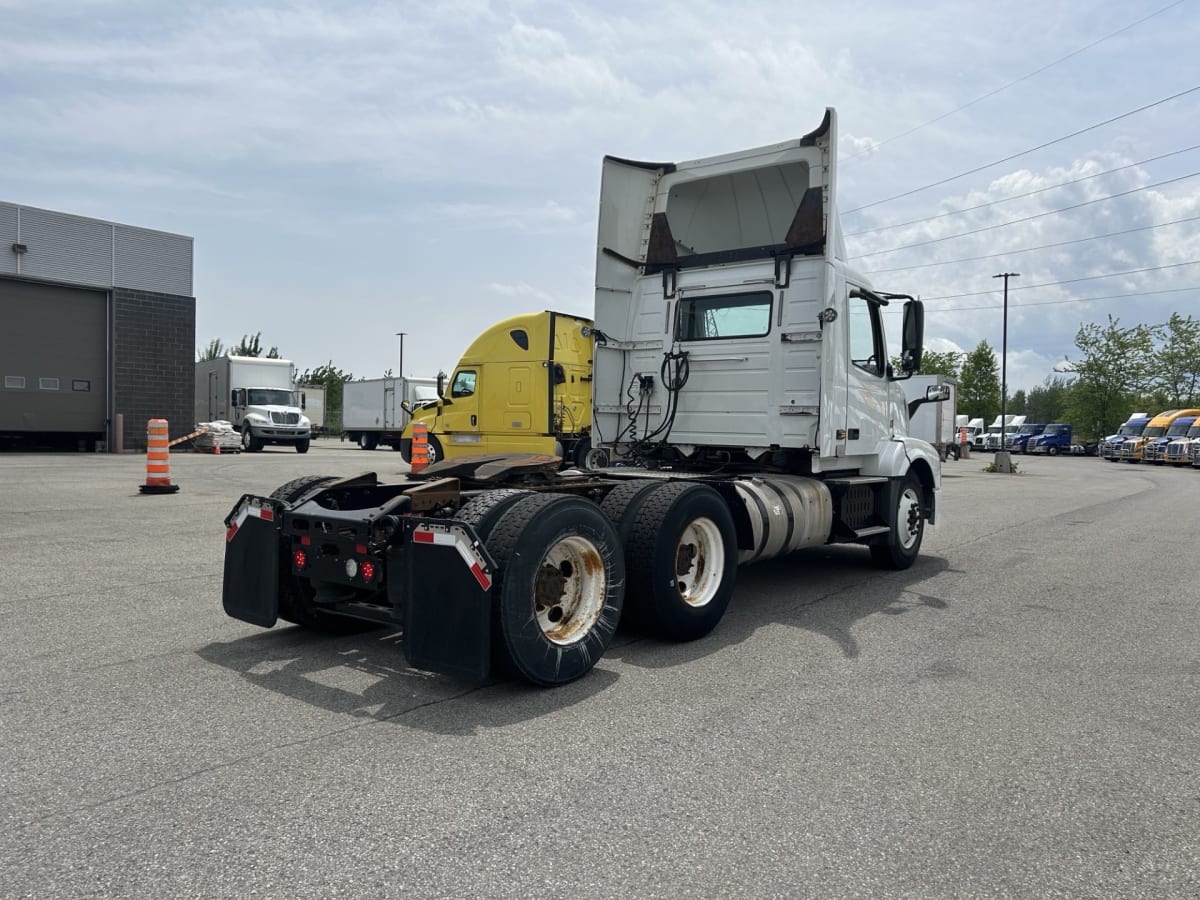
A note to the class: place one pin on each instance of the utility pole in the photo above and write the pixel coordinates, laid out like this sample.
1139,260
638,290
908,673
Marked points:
1004,360
401,334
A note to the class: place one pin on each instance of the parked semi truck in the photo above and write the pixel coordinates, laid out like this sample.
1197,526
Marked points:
1019,440
375,410
976,432
1110,446
523,386
998,433
743,408
1155,450
256,395
1058,437
935,423
1133,447
1182,450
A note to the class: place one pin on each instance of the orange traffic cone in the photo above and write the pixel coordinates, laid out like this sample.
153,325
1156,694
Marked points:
420,447
158,459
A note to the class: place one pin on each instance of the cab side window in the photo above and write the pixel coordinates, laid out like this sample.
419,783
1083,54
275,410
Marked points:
464,384
866,336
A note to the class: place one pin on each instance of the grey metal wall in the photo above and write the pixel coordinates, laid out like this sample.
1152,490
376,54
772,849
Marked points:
78,250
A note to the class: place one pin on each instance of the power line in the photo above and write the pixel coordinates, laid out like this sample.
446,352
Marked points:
1042,215
875,147
1013,156
953,309
1045,284
958,212
1097,237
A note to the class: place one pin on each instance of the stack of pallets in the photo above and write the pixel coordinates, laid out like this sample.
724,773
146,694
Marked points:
217,435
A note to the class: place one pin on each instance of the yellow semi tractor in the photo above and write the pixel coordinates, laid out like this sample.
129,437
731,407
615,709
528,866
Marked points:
523,386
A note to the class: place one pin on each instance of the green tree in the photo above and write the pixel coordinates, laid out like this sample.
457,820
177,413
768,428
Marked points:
1047,402
333,379
1177,362
214,350
935,363
1114,372
251,345
979,384
1018,404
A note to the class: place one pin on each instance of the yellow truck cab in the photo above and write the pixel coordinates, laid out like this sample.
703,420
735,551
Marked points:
523,386
1133,448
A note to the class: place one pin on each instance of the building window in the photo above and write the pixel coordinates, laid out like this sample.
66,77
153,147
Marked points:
48,384
14,382
725,316
80,384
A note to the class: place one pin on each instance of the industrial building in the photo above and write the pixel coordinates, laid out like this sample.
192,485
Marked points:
97,327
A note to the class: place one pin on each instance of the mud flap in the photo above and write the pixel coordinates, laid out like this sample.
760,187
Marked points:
447,599
250,590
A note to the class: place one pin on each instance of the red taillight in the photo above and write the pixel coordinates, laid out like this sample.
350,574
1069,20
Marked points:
299,559
367,570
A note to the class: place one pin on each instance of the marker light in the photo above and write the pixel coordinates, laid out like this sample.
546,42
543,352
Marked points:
299,559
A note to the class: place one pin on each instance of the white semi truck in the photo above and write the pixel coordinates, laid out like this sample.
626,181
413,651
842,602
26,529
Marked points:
256,395
743,408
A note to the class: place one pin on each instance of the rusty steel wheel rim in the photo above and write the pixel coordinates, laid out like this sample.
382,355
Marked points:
569,590
699,562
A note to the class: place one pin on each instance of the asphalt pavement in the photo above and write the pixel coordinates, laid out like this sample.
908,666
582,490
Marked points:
1015,716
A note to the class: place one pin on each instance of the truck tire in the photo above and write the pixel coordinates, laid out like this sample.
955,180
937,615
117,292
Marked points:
302,446
295,594
250,443
482,512
435,450
907,528
582,449
681,553
1052,450
561,586
368,441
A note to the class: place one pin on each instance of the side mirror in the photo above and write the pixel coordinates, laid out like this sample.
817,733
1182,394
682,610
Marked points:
935,393
441,385
913,345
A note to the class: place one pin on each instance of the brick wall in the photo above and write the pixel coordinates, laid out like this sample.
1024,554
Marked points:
153,357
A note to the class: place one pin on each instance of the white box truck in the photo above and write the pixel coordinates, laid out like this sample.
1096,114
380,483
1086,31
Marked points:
935,423
373,410
312,404
256,396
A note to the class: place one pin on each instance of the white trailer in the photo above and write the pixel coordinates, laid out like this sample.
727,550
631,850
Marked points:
312,402
256,395
374,410
935,422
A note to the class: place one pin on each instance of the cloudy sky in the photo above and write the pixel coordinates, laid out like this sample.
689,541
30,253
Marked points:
351,170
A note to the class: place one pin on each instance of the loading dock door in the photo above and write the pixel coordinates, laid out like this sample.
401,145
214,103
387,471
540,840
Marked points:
53,362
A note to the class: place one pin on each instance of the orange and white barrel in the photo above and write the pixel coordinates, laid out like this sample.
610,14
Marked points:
420,447
158,459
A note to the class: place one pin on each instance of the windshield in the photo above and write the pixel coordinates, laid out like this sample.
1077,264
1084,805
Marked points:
1194,431
1179,429
1056,429
993,429
270,397
1031,429
1153,431
1131,429
424,392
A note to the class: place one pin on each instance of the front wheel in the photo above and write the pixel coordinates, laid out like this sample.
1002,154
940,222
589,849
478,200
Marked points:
1052,450
250,443
907,528
562,585
302,446
435,450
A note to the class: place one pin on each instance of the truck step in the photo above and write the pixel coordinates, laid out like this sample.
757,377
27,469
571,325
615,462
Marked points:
855,480
871,531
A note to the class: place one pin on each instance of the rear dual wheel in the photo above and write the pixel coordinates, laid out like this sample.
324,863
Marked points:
561,584
680,552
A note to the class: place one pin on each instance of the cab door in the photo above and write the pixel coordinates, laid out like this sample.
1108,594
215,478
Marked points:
867,414
460,417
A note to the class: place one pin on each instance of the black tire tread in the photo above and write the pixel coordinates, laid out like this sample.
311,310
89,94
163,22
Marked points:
482,512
